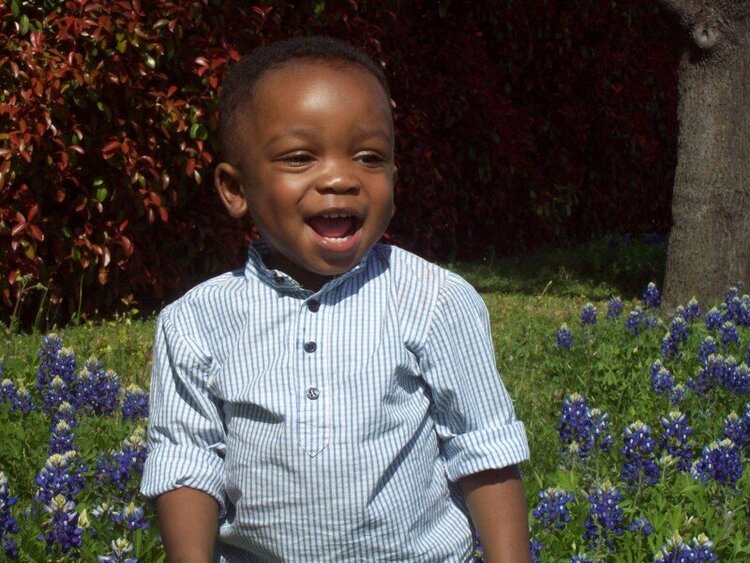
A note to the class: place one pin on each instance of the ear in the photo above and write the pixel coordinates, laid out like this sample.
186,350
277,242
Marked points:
228,182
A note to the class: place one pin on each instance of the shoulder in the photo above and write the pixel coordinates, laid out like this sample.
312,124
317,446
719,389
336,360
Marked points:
204,306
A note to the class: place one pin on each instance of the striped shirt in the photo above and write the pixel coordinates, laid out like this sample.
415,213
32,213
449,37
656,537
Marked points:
331,425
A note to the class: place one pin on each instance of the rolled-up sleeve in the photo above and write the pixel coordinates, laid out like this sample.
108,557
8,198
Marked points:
473,414
186,434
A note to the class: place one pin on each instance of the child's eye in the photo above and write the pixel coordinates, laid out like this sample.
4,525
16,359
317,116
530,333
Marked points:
299,159
370,159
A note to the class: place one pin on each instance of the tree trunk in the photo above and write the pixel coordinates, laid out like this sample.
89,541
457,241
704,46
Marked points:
709,244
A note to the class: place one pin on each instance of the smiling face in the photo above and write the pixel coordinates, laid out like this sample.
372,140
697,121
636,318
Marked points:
313,166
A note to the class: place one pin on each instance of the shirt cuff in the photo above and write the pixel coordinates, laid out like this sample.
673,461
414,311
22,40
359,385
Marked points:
168,468
488,448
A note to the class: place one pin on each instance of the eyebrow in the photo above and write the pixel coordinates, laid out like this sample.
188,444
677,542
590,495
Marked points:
311,135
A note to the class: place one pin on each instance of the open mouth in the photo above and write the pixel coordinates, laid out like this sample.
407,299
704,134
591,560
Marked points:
335,227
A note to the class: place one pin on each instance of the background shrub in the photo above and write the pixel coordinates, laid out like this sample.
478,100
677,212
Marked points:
518,124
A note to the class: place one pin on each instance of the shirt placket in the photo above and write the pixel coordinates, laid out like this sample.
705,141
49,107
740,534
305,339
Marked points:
312,379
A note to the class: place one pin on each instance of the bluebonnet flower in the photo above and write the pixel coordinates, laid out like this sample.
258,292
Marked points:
134,403
721,462
132,517
61,475
535,548
552,510
588,315
641,526
679,329
636,321
669,346
728,334
61,365
737,428
55,393
120,547
717,371
714,320
64,412
97,390
16,395
675,439
742,314
61,439
600,429
677,551
707,347
692,311
614,308
638,451
605,515
8,524
737,379
61,530
651,297
677,394
662,381
575,423
564,338
50,346
120,466
581,558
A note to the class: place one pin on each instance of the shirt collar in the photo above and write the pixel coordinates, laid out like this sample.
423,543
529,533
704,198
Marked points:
282,282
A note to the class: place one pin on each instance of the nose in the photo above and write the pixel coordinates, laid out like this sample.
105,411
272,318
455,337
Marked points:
338,176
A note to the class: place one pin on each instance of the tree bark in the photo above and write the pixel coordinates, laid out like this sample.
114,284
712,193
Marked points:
709,243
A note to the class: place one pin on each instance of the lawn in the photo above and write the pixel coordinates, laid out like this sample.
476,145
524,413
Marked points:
613,475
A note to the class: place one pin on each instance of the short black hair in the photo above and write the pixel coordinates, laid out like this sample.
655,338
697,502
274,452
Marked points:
243,76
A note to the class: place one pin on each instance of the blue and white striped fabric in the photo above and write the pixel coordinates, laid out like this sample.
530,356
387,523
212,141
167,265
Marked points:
331,426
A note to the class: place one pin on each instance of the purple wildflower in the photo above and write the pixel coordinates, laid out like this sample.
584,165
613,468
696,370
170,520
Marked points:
737,428
132,517
121,466
134,403
120,547
96,390
638,451
614,308
692,310
714,320
707,347
605,515
55,377
636,321
552,510
700,550
651,298
575,423
641,526
662,381
720,462
564,338
61,439
8,524
61,475
677,394
588,315
600,429
675,439
61,530
728,334
16,395
535,548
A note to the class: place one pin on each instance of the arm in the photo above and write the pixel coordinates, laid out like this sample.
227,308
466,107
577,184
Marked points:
188,524
498,509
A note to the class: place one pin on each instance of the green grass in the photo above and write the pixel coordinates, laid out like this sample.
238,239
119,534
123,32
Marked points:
528,298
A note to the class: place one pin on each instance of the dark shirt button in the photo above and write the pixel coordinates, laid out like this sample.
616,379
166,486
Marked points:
313,393
313,305
310,347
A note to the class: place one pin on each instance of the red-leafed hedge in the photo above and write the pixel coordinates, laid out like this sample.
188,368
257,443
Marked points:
518,124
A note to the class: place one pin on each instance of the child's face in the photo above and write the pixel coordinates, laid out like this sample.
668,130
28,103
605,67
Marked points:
314,167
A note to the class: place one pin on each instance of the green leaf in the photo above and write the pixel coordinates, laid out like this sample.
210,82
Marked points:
197,131
14,8
24,28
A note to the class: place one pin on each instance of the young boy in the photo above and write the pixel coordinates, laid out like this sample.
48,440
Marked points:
336,400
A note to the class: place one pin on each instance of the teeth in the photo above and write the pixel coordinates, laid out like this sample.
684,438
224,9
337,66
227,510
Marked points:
335,215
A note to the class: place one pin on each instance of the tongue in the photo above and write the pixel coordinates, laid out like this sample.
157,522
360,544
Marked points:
332,227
